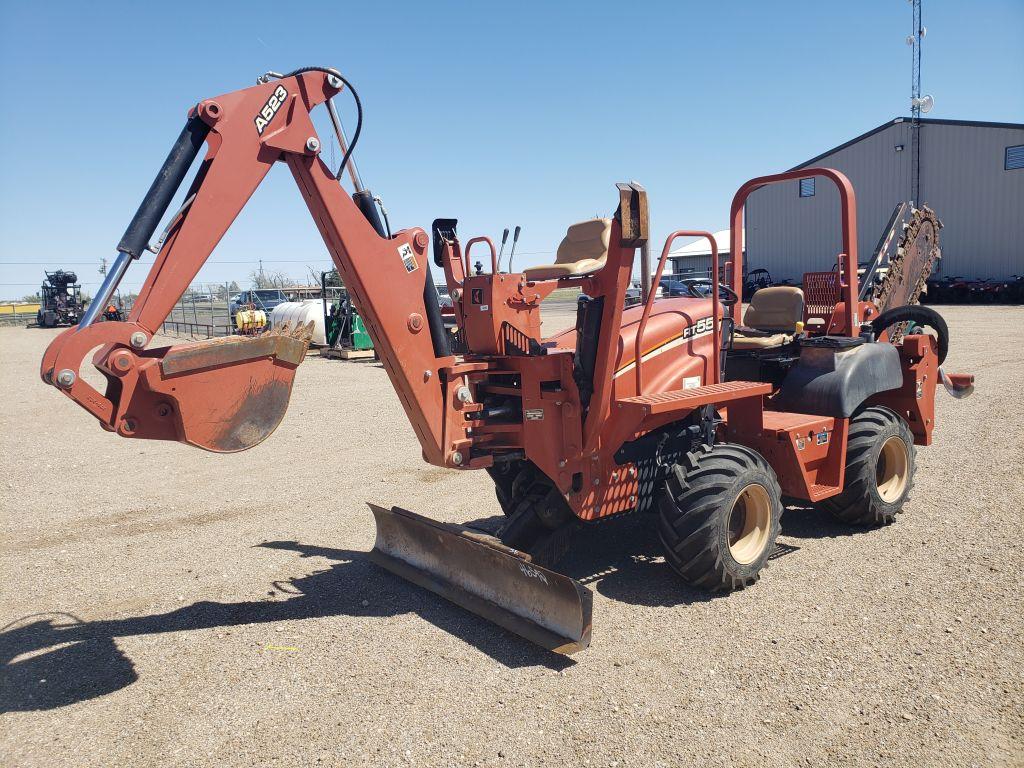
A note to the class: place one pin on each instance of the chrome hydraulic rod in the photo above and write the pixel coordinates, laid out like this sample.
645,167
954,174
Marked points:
110,283
339,132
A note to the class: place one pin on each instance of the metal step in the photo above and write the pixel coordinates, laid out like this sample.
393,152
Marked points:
688,399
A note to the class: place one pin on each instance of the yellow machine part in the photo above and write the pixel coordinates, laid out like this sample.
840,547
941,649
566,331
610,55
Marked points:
249,320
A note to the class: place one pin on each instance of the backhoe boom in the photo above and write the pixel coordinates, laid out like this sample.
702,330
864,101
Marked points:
231,393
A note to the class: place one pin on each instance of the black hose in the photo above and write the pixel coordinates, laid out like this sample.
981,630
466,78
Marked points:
355,95
915,313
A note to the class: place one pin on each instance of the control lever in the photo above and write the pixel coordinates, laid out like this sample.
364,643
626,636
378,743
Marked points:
512,254
504,239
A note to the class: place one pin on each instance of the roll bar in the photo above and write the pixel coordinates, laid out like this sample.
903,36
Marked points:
847,259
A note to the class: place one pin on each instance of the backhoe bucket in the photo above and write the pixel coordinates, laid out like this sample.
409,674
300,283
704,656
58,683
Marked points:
479,573
224,395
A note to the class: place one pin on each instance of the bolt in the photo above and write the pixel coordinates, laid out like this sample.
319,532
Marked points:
313,144
632,499
562,462
632,471
334,81
427,375
163,410
597,481
121,361
138,340
463,395
128,426
66,378
457,458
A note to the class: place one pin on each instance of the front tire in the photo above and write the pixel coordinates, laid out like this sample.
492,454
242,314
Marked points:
538,520
720,513
879,469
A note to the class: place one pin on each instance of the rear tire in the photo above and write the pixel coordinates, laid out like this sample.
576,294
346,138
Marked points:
879,469
720,515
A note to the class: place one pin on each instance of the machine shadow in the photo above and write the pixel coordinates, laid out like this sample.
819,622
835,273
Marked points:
801,520
54,660
621,559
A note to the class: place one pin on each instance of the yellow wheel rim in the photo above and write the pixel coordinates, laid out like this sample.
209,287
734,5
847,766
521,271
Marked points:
891,469
750,521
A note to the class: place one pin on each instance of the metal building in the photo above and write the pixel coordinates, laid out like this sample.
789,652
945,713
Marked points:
970,173
694,259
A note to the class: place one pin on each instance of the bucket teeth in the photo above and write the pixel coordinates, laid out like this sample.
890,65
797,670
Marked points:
302,331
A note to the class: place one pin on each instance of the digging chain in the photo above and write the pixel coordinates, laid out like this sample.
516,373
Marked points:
911,266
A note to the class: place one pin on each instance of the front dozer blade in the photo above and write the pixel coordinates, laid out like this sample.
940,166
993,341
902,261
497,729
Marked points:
482,575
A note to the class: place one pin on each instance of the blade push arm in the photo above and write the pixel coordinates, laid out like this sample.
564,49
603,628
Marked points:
231,393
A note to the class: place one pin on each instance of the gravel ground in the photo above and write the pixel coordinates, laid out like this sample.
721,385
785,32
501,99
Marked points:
172,607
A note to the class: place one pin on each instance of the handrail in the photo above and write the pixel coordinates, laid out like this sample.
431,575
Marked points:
715,336
848,203
494,254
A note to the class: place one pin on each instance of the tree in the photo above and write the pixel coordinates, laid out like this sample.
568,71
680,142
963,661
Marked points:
332,279
261,279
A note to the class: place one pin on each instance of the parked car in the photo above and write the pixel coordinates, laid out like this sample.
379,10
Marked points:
634,294
672,288
261,298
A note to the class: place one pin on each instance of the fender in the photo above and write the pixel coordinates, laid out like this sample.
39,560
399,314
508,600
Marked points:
836,374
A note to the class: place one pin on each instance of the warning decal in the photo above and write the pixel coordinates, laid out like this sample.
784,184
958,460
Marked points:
405,252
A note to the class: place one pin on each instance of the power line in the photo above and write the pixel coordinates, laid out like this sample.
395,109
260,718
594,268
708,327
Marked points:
255,262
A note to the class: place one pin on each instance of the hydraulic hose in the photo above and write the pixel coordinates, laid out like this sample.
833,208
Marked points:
355,95
923,316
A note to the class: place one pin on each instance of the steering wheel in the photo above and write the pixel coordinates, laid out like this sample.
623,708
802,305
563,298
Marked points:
728,299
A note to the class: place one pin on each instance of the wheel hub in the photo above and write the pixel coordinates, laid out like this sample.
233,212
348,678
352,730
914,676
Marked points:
891,469
749,524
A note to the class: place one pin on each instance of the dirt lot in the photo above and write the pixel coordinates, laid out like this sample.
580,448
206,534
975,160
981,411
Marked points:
165,606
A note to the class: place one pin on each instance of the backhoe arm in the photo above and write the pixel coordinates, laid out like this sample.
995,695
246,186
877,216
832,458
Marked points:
229,394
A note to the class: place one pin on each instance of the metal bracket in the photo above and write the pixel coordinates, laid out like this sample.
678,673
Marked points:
633,215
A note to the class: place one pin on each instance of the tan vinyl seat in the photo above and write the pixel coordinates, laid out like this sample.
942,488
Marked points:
583,250
776,310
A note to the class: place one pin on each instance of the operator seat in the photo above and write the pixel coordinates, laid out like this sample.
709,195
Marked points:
771,319
583,250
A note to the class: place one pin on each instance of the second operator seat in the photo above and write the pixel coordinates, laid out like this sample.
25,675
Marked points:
583,251
771,319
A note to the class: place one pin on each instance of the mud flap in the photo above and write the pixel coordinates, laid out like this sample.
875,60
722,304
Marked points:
479,573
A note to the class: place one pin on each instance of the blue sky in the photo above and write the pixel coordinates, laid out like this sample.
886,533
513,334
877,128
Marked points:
499,114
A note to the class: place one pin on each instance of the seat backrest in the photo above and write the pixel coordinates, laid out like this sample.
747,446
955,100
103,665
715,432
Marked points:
586,241
775,309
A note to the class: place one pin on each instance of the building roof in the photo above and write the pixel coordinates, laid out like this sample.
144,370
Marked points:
897,121
701,247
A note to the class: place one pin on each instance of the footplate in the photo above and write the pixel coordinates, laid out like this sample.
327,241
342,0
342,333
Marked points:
478,573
